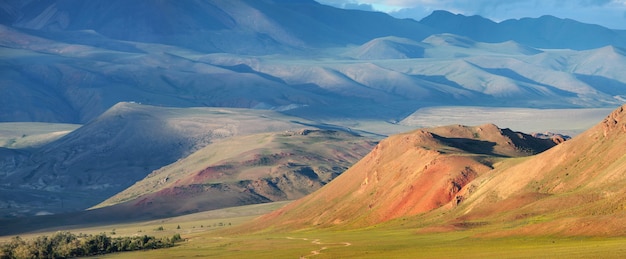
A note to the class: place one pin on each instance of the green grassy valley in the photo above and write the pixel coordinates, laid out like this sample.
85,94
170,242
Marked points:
214,234
385,243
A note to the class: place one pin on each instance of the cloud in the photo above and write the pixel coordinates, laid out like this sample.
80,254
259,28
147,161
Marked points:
357,6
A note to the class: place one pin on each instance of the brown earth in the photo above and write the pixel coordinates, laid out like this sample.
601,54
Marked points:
576,188
406,175
456,177
245,170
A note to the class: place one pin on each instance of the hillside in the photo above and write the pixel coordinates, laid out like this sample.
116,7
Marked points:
120,147
388,48
406,175
574,188
244,170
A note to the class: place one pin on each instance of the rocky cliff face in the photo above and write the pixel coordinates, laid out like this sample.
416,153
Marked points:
615,122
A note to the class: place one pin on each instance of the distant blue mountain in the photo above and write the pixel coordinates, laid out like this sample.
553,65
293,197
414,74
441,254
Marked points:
276,26
245,26
544,32
71,60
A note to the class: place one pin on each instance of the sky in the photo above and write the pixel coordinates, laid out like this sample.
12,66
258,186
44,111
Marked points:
608,13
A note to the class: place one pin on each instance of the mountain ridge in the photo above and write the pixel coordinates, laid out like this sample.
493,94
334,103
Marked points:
257,168
404,175
576,184
543,32
227,22
572,189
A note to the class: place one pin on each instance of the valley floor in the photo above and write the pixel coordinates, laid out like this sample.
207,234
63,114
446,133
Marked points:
207,236
385,243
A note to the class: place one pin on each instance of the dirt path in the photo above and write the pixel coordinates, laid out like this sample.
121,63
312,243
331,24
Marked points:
318,242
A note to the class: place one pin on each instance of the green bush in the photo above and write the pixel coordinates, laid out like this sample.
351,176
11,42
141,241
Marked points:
66,244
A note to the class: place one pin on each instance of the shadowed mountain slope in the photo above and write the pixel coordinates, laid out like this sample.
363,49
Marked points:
120,147
244,170
245,26
233,171
406,174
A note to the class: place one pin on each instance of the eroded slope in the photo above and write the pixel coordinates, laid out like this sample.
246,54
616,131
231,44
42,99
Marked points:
406,174
245,170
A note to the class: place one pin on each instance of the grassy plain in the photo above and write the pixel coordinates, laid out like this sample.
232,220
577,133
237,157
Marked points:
384,243
209,235
192,223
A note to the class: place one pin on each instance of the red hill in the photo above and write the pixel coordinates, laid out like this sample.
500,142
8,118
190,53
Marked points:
458,177
405,175
574,188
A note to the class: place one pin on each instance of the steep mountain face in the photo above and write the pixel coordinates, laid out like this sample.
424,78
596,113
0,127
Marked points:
247,27
406,175
244,170
543,32
574,188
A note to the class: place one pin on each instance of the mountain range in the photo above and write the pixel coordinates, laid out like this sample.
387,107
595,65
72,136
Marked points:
154,96
69,61
546,32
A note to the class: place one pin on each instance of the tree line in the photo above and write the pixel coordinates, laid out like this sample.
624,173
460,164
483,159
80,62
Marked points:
66,245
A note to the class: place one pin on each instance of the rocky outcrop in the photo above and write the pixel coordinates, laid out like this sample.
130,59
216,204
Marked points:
616,121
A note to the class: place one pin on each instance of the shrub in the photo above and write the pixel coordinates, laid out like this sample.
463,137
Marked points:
66,244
